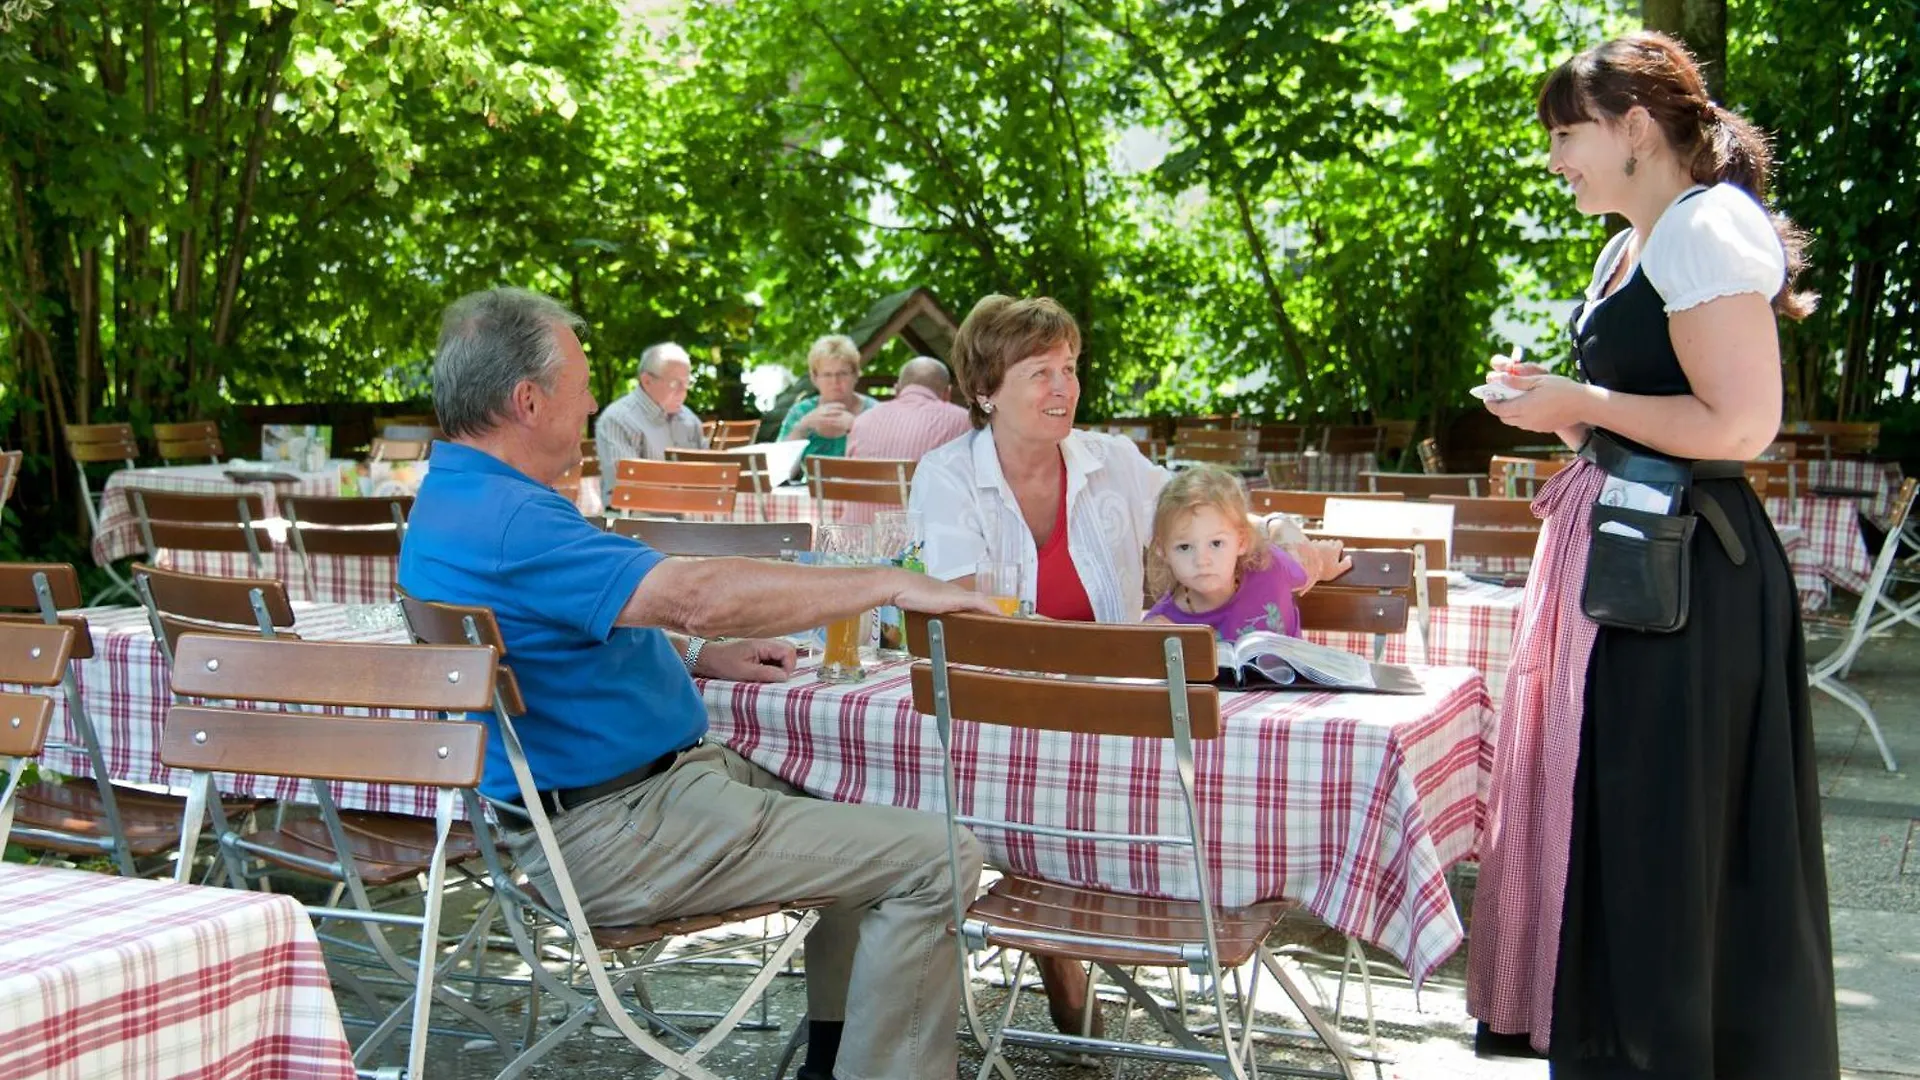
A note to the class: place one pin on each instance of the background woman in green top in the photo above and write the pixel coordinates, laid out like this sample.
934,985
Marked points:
834,365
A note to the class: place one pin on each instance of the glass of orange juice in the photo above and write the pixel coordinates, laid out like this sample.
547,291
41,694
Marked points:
845,545
1000,581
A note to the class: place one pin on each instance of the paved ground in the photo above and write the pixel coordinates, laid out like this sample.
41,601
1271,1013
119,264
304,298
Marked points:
1873,852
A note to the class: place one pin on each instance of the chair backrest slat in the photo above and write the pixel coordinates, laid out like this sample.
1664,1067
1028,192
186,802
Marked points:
348,674
1309,504
1353,611
364,526
762,540
1095,650
24,720
682,474
880,481
34,654
16,585
755,476
188,439
1375,569
446,624
728,434
1282,438
1087,708
645,499
387,750
1515,477
1435,547
215,599
1426,485
1471,543
385,449
175,536
101,442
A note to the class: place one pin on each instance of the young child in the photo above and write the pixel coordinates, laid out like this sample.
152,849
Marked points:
1211,568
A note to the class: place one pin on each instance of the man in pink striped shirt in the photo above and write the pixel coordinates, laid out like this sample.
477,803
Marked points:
918,418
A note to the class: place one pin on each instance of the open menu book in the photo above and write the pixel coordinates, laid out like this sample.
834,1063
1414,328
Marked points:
1265,661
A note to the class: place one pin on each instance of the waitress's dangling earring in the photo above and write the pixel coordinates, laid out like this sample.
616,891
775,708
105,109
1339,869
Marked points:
1632,163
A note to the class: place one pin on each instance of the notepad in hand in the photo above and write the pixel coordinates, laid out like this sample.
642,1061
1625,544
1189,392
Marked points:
1267,661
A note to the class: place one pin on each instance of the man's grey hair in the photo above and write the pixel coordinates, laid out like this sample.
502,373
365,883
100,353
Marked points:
491,342
655,358
925,371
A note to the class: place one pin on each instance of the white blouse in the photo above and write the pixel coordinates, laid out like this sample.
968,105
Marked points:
970,514
1718,243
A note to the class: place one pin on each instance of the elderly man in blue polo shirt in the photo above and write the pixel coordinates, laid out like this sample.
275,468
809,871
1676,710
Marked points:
604,632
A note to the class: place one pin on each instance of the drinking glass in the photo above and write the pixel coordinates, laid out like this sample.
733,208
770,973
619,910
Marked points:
844,545
896,538
1000,581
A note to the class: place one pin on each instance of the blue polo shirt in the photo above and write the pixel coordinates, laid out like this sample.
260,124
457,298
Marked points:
601,700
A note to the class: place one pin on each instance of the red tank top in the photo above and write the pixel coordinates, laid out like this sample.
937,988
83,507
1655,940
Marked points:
1058,593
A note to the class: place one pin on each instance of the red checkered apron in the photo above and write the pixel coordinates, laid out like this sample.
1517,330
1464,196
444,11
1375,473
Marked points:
1523,863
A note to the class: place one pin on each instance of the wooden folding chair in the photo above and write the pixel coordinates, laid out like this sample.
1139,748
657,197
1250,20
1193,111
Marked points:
440,624
1235,448
316,747
754,540
9,473
1901,536
1066,677
1282,438
367,527
1396,438
385,449
99,444
756,477
1430,460
1311,505
30,656
1832,438
1827,674
179,603
1787,478
1498,529
1378,597
182,521
93,818
731,434
570,481
1425,485
877,481
673,487
191,439
1520,477
1353,439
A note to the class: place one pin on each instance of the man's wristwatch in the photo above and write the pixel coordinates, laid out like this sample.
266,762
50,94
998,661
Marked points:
692,655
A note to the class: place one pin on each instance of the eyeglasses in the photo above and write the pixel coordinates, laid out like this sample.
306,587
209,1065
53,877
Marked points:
671,384
834,376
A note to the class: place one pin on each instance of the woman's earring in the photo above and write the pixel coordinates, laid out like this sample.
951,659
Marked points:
1632,163
987,407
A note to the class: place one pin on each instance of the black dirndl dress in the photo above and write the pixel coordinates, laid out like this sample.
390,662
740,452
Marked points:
1695,941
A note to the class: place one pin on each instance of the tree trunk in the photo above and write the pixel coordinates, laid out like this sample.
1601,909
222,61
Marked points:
1702,24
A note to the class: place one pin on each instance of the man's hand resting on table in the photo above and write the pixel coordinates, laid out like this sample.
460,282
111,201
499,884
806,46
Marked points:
935,597
745,660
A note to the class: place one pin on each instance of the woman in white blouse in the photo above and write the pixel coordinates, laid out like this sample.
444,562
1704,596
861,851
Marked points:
1652,898
1074,509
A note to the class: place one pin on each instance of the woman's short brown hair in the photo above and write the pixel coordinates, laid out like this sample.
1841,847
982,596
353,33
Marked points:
1000,332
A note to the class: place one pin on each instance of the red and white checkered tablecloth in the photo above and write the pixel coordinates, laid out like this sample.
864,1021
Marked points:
1353,805
1831,529
1859,474
1476,629
336,578
1328,472
124,689
107,977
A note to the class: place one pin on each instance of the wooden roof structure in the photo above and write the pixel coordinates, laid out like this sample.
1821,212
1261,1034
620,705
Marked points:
912,314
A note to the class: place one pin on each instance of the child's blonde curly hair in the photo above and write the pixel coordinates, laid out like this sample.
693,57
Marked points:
1189,490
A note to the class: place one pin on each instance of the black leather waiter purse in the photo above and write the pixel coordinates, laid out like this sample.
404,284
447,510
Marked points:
1639,582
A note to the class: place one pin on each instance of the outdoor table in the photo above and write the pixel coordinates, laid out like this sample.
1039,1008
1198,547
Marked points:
1327,472
1476,629
108,977
1353,805
1835,550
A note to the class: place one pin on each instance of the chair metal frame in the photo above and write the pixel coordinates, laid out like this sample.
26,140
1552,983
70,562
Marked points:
294,742
1024,663
431,622
92,444
1827,674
